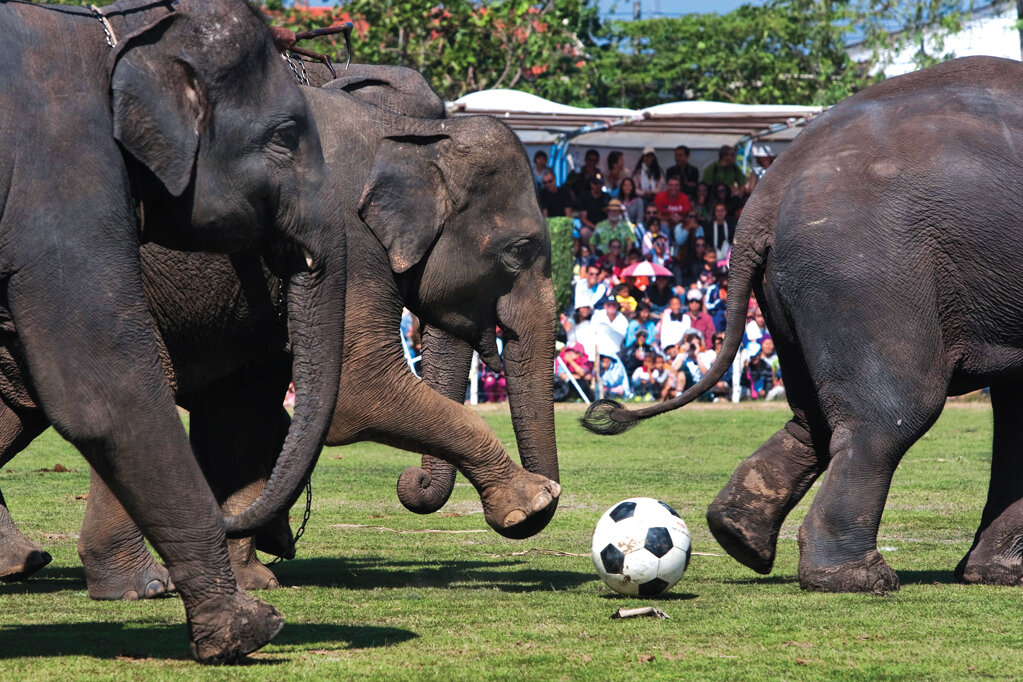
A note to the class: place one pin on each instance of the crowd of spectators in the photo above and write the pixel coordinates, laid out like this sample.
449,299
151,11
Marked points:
631,336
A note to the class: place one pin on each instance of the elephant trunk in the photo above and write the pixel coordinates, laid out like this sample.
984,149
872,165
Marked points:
315,305
446,362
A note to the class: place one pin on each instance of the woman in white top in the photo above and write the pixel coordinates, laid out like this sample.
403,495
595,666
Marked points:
648,176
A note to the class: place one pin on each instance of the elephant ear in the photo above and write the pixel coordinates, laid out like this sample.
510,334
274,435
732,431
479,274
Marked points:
158,105
405,202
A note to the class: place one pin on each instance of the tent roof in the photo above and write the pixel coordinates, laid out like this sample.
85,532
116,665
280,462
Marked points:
701,125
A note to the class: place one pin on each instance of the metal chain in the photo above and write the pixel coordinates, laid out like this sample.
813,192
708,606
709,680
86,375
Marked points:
107,29
305,517
302,76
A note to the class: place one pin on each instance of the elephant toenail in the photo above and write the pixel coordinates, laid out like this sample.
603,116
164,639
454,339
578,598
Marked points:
154,589
516,517
541,501
130,595
555,489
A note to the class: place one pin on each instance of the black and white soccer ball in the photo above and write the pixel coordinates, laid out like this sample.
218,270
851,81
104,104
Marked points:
641,547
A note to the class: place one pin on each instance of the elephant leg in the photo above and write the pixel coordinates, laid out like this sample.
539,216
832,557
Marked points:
237,428
19,556
996,557
92,355
117,563
446,363
838,538
746,516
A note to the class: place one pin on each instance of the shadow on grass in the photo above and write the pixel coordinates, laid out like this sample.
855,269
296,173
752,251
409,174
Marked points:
137,641
49,579
927,577
367,573
670,596
763,580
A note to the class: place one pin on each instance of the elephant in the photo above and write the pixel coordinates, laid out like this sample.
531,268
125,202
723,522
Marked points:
220,320
883,247
177,123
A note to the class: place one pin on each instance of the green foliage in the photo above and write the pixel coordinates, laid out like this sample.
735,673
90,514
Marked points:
561,259
364,603
878,22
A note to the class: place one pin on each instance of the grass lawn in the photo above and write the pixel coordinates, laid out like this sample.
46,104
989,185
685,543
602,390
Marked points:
363,602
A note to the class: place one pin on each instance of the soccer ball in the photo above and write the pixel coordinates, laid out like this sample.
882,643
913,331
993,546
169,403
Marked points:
641,547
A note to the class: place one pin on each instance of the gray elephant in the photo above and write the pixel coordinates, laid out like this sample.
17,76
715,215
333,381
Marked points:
221,323
884,249
175,122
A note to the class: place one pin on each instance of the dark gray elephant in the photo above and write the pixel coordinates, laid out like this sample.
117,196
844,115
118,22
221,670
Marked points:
884,249
220,321
176,121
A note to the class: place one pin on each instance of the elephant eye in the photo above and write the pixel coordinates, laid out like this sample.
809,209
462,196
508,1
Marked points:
519,255
286,135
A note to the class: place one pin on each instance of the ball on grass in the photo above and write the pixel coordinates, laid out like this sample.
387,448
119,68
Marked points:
641,547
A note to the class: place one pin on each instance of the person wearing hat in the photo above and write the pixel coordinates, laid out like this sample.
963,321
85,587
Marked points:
574,364
688,175
763,157
592,205
648,176
615,227
699,319
609,327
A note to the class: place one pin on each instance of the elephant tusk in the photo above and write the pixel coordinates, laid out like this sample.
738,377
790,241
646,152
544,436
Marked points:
308,258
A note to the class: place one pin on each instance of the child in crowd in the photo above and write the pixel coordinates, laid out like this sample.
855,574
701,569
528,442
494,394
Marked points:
642,378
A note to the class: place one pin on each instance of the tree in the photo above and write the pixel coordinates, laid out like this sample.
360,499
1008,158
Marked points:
890,26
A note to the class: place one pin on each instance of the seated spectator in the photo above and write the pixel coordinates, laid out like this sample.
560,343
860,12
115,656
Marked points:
613,378
591,290
685,233
642,382
673,325
659,254
702,203
631,201
577,180
659,295
592,206
632,356
720,194
720,232
708,268
688,175
495,388
641,322
692,359
662,380
671,200
699,319
763,157
725,171
655,230
720,313
771,358
574,365
554,201
607,276
626,301
615,256
615,173
609,327
584,258
761,375
756,325
540,169
616,227
688,273
648,176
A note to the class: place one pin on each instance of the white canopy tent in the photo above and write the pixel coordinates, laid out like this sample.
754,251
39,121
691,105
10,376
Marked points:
702,126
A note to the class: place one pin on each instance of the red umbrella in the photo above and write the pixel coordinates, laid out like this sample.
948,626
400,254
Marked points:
645,269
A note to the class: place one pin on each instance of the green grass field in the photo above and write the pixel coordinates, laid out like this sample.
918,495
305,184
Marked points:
362,602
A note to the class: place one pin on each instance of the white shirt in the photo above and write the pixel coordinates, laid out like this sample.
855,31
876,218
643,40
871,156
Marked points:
671,330
587,296
609,333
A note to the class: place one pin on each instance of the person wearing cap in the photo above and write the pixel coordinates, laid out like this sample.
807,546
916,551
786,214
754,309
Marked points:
592,205
725,171
688,175
577,179
699,319
763,157
615,227
609,327
648,176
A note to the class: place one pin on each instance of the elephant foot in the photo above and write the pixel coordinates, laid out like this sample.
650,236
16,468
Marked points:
276,538
981,566
226,630
20,558
749,538
250,573
869,574
521,508
118,579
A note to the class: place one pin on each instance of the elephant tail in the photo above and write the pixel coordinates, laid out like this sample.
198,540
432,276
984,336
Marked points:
746,266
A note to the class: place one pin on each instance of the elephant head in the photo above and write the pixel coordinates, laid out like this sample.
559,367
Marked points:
227,157
452,202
